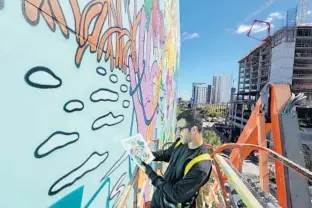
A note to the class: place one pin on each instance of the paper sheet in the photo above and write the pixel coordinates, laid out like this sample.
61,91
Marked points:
138,149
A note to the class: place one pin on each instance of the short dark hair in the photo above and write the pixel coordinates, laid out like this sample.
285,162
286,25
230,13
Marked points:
192,118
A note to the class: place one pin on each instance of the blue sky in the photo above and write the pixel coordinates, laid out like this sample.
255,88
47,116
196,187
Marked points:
213,36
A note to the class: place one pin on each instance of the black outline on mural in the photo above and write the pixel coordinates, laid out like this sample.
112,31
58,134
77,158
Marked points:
119,186
113,75
135,90
78,34
99,72
104,100
1,4
38,155
40,10
51,192
82,54
126,106
115,166
123,85
24,12
128,78
41,86
97,19
46,21
87,41
65,107
56,20
106,124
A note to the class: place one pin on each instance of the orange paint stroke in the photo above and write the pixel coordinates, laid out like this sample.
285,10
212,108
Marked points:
50,10
102,12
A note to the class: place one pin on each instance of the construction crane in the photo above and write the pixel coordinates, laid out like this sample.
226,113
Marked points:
261,9
302,11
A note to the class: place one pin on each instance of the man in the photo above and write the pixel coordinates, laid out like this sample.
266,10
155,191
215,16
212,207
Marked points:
178,187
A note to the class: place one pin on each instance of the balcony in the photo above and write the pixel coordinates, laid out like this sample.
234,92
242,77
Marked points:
303,37
304,86
302,76
303,55
304,45
266,51
264,74
301,66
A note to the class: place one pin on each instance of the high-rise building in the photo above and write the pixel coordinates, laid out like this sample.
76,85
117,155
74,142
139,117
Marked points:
285,57
222,88
199,93
233,89
209,94
214,89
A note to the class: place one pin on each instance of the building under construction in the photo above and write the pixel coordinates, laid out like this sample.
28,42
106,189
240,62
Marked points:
284,57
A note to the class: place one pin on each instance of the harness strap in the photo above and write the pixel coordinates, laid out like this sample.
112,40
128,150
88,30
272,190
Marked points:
195,160
178,143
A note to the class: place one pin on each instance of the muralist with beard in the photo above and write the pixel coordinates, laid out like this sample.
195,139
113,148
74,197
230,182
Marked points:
189,166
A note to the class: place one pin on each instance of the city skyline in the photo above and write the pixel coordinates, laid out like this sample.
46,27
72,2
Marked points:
220,91
206,51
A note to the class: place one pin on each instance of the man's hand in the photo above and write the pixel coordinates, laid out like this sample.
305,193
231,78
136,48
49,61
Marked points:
147,168
149,171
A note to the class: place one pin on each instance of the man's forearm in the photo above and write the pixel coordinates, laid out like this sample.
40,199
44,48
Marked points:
182,190
158,155
173,192
164,155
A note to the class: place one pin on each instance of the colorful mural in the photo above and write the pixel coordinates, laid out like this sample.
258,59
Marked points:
76,78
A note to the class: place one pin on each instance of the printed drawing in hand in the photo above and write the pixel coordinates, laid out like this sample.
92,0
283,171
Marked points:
138,149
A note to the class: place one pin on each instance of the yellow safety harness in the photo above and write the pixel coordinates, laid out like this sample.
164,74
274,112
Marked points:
195,160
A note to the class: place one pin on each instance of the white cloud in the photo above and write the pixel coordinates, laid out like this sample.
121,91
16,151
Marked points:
256,28
309,12
189,36
275,16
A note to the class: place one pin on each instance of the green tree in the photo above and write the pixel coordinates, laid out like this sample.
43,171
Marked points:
213,113
179,110
212,138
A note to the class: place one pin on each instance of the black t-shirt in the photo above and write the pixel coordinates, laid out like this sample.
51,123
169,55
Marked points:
174,187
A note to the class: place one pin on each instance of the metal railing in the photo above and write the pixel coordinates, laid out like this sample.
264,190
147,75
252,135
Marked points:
224,171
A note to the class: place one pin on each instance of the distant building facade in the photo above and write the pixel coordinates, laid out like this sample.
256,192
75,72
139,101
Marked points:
209,94
199,93
214,90
222,85
233,90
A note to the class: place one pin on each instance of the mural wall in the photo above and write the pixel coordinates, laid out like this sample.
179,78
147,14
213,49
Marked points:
77,77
